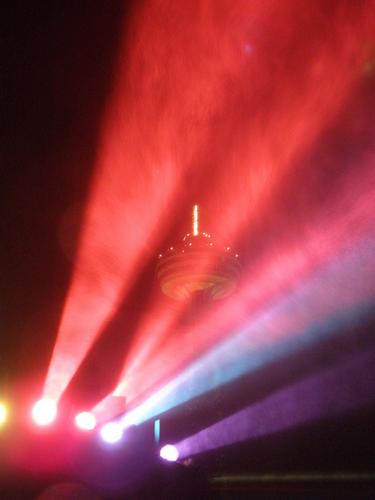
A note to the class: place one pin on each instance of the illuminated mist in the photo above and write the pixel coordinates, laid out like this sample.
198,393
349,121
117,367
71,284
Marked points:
226,103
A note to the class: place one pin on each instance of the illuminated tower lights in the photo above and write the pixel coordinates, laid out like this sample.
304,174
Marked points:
180,272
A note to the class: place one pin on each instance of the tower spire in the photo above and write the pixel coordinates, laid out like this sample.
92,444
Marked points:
195,220
198,266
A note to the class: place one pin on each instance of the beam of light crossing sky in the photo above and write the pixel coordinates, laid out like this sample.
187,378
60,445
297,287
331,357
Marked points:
299,320
201,99
285,271
337,390
141,143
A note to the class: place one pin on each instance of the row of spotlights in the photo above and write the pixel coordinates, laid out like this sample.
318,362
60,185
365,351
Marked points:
45,410
44,413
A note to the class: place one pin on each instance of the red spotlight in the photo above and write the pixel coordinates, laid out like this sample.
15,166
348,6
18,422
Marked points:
85,421
44,411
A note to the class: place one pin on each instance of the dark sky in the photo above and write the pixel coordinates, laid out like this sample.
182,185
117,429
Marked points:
57,71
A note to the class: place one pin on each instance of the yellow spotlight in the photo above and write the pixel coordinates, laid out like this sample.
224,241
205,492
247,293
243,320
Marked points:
3,414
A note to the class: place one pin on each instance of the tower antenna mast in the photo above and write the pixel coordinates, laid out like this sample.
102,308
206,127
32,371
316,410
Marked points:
195,220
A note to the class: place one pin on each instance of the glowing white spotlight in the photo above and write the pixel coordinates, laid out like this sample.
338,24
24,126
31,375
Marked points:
85,421
169,452
44,411
3,414
111,432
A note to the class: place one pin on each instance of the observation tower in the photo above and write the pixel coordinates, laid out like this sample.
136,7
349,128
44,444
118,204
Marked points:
198,265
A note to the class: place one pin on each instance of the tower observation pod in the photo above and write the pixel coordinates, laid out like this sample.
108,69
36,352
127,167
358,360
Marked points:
198,265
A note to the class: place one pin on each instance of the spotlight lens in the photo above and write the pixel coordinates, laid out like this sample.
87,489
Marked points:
169,452
86,421
3,414
44,411
111,432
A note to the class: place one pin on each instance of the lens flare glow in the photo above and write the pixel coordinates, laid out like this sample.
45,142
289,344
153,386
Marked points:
169,452
111,433
44,411
85,421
